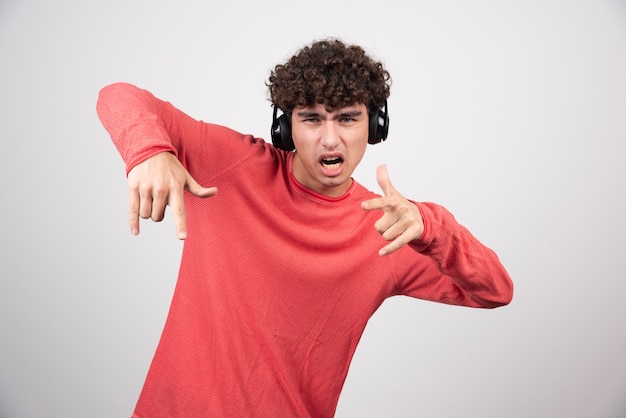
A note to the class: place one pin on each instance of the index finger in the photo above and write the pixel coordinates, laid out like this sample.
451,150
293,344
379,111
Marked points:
133,211
177,205
375,203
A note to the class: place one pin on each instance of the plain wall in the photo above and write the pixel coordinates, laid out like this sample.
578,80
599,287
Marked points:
512,114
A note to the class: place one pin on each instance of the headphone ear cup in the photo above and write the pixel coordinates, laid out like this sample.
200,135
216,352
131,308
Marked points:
379,124
281,132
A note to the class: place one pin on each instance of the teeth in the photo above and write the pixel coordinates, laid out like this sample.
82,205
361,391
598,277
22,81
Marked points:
331,162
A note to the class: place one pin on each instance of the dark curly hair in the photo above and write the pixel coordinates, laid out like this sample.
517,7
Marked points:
331,73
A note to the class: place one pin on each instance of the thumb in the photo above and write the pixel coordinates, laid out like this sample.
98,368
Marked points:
192,186
383,180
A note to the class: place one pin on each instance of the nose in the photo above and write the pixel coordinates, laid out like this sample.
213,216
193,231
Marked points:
330,135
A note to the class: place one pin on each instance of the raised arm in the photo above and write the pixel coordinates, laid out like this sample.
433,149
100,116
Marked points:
134,119
463,270
475,275
156,178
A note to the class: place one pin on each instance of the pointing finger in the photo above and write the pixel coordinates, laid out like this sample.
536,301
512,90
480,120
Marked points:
133,212
177,205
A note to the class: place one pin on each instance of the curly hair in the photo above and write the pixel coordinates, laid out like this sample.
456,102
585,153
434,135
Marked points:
331,73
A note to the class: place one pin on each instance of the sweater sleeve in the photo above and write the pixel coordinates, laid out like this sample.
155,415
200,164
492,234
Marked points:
141,125
462,271
132,117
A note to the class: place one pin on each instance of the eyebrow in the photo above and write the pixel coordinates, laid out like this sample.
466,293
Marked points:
313,114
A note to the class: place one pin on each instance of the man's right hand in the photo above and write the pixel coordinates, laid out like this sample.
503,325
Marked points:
158,182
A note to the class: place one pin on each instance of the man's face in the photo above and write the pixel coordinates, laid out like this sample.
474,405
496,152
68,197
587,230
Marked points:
329,146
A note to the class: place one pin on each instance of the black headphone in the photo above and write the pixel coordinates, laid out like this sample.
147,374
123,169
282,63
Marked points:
378,127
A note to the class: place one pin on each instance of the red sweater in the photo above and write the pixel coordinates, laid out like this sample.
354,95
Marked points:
277,282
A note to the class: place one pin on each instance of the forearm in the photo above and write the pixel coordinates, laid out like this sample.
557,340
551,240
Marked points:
132,118
472,266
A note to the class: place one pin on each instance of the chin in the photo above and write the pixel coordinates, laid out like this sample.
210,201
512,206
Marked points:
337,185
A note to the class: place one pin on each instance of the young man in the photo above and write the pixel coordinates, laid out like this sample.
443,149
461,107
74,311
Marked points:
282,268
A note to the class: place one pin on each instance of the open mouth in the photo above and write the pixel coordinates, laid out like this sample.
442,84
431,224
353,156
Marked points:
332,162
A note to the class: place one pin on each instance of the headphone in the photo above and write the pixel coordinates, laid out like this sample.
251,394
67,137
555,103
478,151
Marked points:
378,127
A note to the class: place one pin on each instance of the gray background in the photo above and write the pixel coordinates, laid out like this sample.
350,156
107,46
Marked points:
512,114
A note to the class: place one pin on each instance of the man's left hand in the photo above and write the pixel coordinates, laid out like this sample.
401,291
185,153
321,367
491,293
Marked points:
401,222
